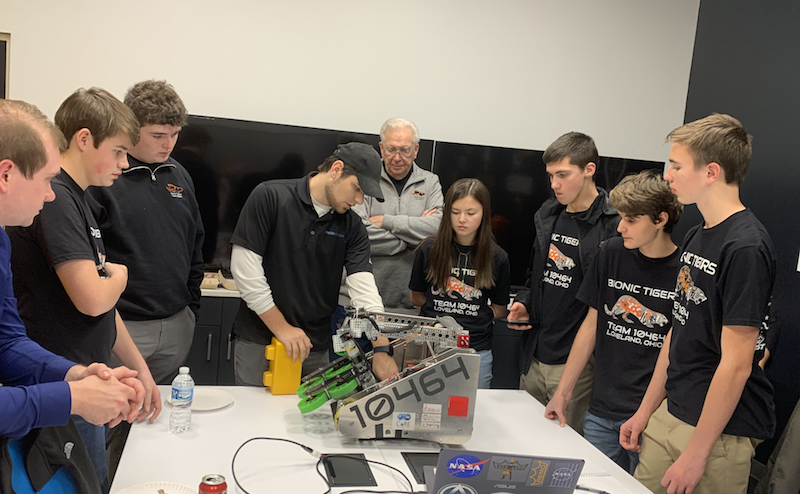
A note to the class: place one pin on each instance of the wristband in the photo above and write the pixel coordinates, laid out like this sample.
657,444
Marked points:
384,349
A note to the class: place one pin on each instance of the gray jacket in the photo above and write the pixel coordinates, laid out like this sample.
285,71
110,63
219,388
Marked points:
782,475
392,245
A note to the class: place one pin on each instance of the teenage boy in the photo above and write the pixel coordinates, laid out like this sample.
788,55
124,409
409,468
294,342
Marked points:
719,403
629,289
40,389
151,222
59,261
569,227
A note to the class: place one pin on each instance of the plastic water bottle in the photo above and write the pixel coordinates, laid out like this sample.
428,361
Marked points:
180,419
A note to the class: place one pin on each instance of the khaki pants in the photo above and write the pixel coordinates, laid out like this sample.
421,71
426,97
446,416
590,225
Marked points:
541,382
727,469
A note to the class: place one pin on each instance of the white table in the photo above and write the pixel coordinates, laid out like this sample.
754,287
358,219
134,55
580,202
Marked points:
506,421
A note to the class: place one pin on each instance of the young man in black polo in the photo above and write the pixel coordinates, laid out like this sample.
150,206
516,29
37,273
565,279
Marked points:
719,403
569,227
291,242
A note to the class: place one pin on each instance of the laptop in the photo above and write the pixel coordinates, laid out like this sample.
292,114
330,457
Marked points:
478,472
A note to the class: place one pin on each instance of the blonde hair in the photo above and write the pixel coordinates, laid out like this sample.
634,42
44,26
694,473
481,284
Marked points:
718,138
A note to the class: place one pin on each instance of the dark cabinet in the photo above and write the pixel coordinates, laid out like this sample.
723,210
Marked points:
230,306
211,357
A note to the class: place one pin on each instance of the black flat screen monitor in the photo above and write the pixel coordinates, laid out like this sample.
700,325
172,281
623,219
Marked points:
228,158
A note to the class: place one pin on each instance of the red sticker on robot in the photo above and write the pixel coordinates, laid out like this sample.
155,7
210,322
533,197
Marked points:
458,406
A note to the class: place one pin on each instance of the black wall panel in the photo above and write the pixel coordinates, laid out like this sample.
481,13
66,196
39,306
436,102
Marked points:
228,158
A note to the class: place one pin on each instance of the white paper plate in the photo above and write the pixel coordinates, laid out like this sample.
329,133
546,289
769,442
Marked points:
153,487
207,399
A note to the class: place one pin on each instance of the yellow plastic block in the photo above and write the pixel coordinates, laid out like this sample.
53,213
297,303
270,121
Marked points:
283,376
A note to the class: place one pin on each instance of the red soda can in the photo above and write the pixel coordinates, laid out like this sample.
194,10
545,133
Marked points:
213,484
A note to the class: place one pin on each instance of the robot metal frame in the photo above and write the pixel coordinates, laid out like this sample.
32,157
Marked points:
432,397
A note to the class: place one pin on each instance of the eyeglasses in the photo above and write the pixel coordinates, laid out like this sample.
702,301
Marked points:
404,151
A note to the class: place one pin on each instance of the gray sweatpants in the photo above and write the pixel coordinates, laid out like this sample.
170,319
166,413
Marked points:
164,343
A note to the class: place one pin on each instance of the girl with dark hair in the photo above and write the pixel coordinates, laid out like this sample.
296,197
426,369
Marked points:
461,271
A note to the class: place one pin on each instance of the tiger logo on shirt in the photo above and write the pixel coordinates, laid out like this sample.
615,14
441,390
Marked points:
627,305
561,261
175,190
454,285
686,286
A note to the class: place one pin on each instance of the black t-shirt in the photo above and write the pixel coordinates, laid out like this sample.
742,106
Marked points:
633,295
726,277
303,256
399,185
562,313
468,305
63,231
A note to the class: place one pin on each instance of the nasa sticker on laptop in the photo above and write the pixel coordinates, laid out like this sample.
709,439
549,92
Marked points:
465,466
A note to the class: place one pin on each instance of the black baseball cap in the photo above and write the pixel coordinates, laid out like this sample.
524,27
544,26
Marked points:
366,162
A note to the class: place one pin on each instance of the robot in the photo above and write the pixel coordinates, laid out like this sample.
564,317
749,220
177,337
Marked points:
431,398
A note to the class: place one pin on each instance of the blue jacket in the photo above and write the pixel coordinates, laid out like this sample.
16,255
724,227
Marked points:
34,393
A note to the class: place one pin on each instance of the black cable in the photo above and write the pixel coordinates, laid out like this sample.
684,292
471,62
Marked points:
379,330
305,448
316,467
321,457
375,324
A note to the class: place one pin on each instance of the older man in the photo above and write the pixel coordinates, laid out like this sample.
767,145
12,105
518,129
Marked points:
411,211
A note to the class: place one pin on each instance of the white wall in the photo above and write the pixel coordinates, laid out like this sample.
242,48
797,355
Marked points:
515,73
